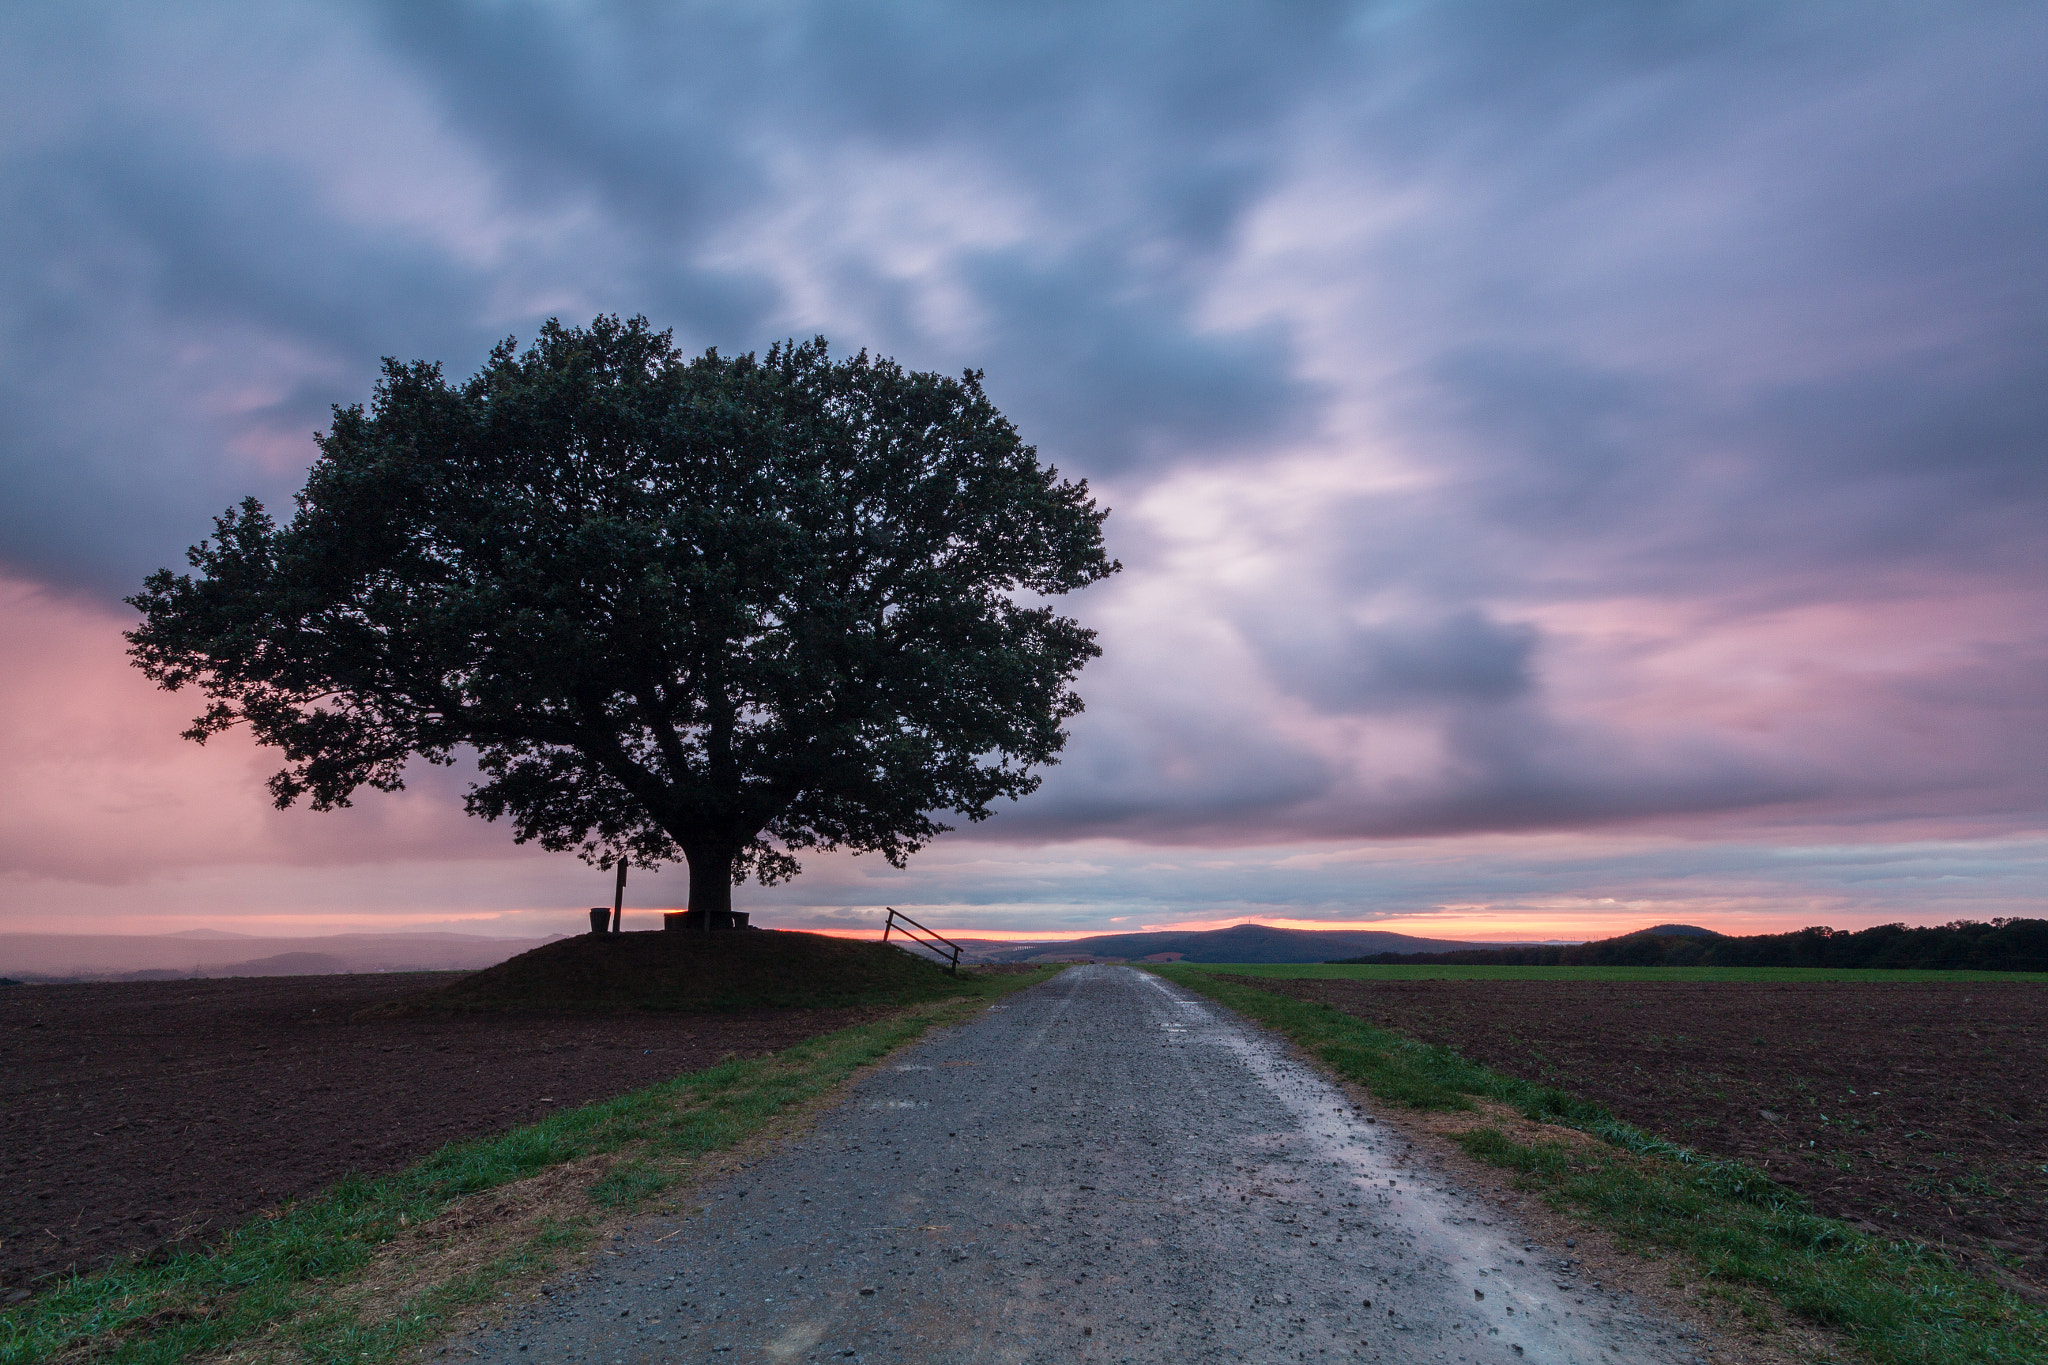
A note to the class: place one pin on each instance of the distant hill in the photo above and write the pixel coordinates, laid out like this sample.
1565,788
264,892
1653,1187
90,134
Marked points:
1000,949
168,957
2003,945
1241,943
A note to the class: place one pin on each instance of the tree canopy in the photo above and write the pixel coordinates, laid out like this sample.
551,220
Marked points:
721,608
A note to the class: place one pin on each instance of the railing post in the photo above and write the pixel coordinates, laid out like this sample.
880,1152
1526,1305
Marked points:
924,938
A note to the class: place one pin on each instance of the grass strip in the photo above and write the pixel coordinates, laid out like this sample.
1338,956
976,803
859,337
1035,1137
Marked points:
1901,1303
287,1275
1392,971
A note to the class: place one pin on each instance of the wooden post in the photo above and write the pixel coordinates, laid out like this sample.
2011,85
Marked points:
619,900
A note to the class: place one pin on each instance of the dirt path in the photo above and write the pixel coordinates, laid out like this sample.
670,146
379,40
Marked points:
1106,1168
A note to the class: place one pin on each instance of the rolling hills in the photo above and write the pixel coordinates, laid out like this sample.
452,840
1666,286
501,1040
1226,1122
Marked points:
1243,943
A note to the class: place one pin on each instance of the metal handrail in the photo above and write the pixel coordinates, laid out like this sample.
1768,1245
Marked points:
922,937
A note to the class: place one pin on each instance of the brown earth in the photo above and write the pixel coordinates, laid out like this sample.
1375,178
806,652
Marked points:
135,1115
1908,1109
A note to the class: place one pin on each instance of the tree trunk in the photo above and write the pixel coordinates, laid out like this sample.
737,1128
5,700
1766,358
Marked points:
710,887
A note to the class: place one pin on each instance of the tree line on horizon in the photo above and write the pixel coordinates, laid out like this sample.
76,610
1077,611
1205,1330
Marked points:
2002,945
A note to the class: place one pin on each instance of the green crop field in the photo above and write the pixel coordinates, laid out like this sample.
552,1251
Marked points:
1349,972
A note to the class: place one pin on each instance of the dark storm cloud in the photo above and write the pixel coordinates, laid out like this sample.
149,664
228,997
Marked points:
1749,293
1460,659
1145,132
1109,382
144,285
1515,769
136,237
156,288
1173,774
1164,112
1937,462
1501,764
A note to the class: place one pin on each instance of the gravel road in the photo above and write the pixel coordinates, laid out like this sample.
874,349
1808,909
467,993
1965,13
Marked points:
1101,1168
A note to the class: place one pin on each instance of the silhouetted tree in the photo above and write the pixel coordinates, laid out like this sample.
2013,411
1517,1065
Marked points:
716,608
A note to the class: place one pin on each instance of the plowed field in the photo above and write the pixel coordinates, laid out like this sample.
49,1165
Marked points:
1917,1109
139,1114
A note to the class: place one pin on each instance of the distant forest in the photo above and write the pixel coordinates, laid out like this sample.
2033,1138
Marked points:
2003,945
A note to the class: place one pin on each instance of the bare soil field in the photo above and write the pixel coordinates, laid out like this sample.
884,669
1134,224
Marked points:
1916,1109
136,1115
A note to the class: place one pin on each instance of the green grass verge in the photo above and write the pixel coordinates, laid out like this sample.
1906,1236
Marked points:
1341,971
1899,1302
291,1269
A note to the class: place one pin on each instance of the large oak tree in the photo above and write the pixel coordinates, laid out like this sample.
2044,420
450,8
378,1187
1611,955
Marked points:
721,608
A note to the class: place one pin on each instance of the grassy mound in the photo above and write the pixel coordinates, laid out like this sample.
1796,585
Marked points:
743,969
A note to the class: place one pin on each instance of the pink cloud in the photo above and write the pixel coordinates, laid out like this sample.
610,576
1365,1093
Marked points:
96,786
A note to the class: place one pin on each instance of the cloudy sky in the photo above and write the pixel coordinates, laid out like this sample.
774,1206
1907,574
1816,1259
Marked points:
1576,465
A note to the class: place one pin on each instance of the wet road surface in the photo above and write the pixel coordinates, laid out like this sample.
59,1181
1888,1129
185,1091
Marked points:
1101,1168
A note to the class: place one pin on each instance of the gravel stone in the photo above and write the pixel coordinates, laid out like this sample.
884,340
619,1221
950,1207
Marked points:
1104,1168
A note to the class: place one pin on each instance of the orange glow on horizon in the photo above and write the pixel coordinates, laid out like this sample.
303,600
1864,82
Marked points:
996,935
1570,922
1417,928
